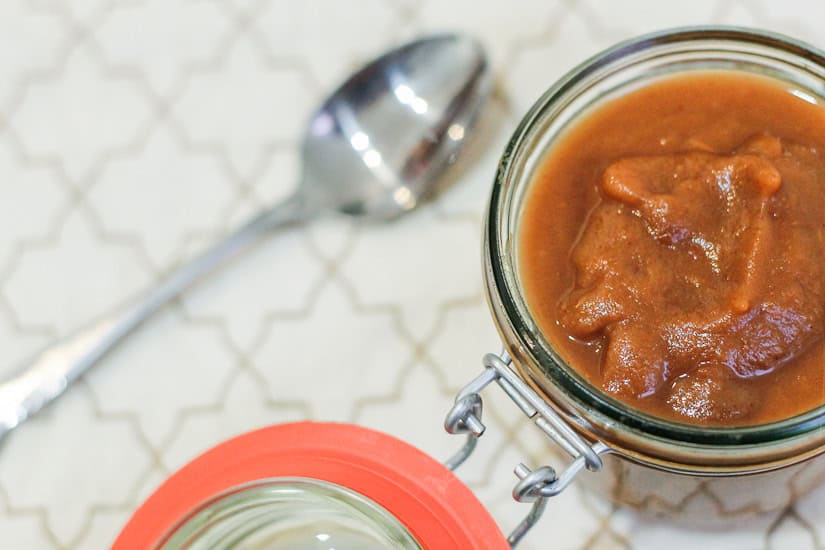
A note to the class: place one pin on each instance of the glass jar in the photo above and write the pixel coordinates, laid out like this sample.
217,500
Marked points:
692,473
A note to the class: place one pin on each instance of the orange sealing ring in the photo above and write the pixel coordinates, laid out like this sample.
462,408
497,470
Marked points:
436,507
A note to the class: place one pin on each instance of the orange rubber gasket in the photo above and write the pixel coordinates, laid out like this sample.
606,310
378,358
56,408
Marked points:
435,506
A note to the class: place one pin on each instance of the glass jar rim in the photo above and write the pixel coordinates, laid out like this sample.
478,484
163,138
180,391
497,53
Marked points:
503,281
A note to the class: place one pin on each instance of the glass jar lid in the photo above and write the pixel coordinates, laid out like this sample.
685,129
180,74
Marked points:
290,514
303,482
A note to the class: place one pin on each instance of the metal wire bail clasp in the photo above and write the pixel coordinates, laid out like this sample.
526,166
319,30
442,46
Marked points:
533,485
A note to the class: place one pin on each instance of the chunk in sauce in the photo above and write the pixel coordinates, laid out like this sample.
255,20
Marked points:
672,248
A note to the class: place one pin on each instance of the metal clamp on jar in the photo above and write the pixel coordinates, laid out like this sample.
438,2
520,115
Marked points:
655,465
533,485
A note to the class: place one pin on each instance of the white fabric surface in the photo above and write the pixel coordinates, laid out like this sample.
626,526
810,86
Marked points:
134,132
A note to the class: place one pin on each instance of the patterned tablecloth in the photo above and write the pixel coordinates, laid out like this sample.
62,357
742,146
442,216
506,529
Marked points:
133,132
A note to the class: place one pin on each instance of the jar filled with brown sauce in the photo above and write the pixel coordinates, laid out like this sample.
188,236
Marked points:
654,257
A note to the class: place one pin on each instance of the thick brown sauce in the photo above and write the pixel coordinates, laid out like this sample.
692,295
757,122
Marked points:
672,249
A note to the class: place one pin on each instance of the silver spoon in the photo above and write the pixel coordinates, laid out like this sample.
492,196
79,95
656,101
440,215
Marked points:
374,149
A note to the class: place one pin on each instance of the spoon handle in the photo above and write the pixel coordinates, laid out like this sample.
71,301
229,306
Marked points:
51,371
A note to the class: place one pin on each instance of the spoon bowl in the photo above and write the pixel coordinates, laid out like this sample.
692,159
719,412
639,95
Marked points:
378,145
374,149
